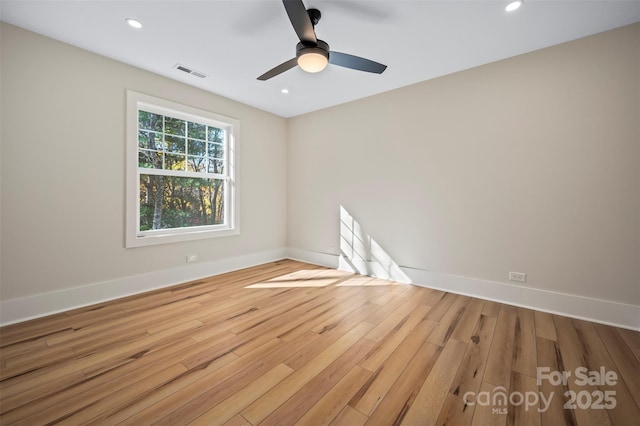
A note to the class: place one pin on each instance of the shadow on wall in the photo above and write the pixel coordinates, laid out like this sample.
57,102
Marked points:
361,254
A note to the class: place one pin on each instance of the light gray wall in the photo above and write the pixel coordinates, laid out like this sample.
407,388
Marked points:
530,164
63,169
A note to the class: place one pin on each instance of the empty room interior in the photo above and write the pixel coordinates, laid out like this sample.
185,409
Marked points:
320,212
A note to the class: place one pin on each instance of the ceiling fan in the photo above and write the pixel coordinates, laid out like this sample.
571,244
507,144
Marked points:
312,54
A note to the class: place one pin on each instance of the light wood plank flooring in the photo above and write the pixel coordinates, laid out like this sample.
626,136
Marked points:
290,343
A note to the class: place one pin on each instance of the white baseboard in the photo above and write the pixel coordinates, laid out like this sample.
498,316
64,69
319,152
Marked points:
39,305
570,305
315,258
590,309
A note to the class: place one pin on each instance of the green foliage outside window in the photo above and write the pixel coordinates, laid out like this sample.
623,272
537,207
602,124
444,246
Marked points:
175,201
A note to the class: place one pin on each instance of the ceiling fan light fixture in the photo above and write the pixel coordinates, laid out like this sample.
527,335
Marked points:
312,54
513,5
313,60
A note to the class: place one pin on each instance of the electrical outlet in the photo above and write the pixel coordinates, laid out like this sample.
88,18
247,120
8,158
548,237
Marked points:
520,277
192,258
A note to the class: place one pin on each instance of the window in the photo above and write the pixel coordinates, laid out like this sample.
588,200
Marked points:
181,169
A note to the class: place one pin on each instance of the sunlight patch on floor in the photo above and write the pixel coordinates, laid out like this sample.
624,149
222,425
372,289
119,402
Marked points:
305,278
366,281
315,278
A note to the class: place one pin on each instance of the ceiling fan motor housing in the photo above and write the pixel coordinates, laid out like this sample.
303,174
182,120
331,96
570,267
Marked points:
321,48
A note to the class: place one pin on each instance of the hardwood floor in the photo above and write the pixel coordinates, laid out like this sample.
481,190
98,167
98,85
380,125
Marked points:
289,343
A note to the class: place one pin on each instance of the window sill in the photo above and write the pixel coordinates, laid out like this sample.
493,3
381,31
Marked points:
160,238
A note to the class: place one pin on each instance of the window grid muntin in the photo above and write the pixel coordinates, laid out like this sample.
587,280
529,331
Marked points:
222,143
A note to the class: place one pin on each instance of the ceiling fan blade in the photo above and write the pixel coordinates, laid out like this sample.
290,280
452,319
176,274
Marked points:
355,62
300,20
286,66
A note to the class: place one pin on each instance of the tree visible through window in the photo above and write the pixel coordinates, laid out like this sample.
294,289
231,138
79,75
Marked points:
183,173
168,201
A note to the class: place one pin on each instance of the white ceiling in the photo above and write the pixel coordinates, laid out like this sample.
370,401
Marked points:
235,41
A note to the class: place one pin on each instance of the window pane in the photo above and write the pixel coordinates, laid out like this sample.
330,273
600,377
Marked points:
197,131
174,126
150,140
216,150
196,147
216,166
174,143
196,164
178,202
149,121
174,162
149,159
215,135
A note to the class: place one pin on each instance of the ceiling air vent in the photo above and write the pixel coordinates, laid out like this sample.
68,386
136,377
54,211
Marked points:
190,71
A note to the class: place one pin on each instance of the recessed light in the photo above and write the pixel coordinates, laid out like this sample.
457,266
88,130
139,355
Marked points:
134,23
513,5
285,91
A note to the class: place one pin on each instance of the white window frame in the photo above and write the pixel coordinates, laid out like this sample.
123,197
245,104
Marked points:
136,238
